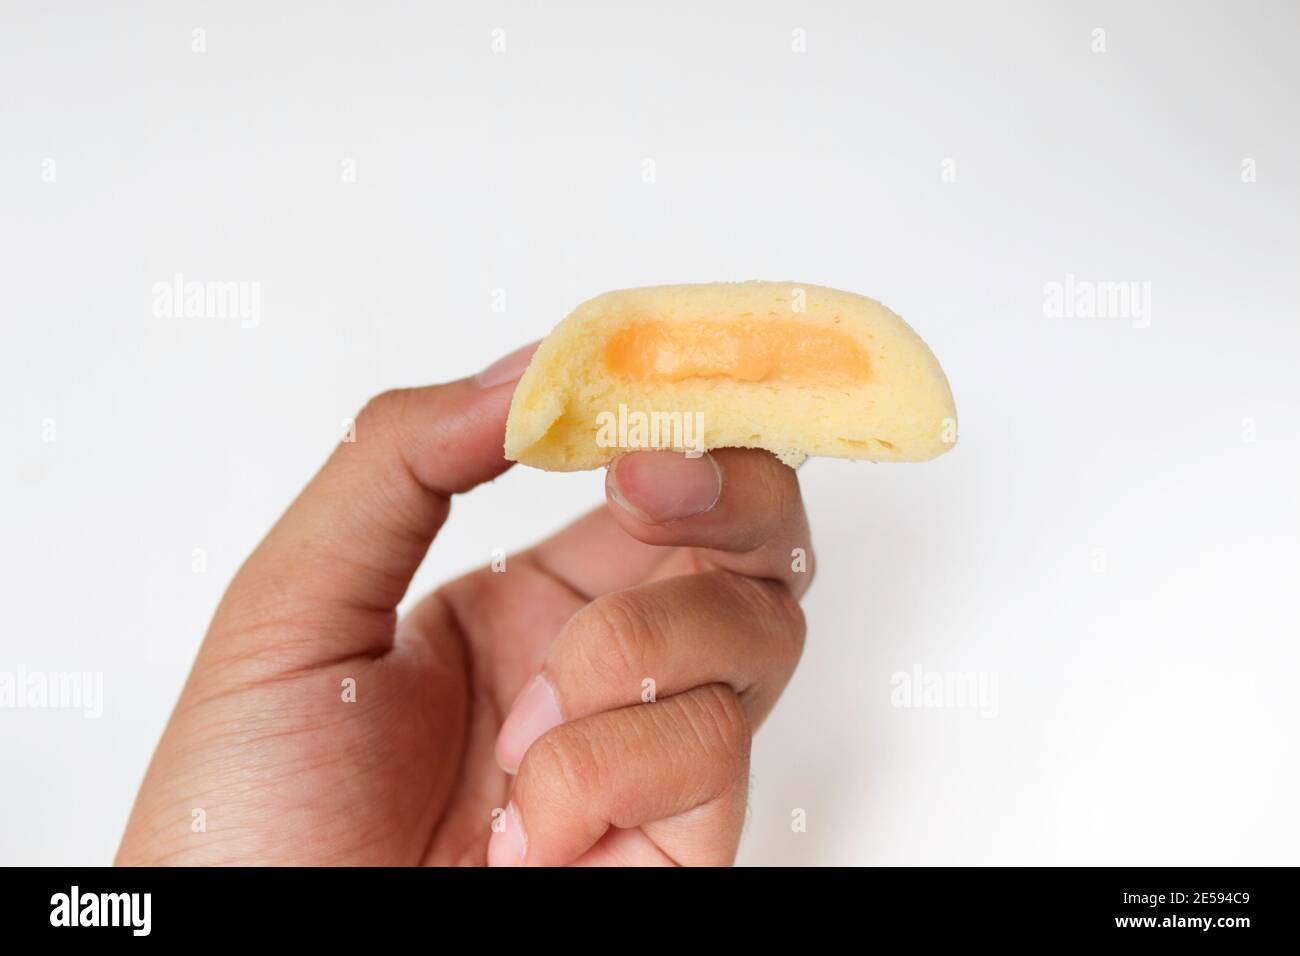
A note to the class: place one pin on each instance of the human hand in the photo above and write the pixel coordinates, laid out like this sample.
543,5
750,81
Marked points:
685,579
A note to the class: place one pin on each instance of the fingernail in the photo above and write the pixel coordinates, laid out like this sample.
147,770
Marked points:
507,369
659,486
536,710
508,845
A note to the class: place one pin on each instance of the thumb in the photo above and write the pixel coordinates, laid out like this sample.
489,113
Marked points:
337,563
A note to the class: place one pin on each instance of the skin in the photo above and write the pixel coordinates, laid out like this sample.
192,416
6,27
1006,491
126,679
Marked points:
685,577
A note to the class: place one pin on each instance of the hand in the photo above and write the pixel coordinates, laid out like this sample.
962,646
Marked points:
685,579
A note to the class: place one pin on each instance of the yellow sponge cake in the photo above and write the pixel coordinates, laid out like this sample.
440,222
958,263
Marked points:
796,369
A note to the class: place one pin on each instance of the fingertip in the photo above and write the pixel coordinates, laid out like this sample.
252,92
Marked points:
507,369
509,845
535,711
752,515
657,487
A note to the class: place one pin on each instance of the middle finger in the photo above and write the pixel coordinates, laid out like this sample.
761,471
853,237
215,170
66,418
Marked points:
660,639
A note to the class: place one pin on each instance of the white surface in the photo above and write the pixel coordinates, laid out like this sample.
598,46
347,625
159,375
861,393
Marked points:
1146,712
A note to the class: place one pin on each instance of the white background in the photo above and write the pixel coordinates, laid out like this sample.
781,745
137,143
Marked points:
1106,539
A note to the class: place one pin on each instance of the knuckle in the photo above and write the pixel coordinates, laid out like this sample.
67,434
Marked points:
380,406
474,598
794,624
785,492
562,767
775,603
719,720
615,638
780,486
383,410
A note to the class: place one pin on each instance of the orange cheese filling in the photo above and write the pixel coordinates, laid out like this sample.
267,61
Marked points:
745,350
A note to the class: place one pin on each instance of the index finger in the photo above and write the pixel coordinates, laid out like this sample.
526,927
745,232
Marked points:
336,564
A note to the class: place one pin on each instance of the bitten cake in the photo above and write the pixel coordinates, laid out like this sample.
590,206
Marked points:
796,369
